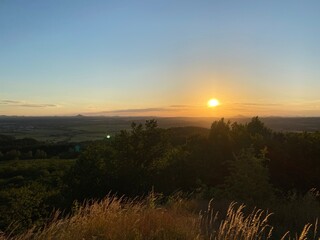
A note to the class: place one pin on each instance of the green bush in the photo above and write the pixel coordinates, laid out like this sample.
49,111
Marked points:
249,179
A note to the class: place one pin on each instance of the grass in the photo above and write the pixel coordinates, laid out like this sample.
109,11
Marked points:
236,225
293,211
120,218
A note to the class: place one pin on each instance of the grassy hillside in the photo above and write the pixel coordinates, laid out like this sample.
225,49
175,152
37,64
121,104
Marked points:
118,218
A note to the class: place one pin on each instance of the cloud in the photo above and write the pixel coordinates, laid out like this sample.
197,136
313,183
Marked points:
34,105
259,104
179,106
5,102
135,111
16,103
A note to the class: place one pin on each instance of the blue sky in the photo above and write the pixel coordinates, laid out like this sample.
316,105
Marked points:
164,58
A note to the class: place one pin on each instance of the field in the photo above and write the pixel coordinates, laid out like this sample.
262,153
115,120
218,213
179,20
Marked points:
80,128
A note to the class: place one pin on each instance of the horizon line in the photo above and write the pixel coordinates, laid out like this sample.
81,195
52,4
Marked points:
148,116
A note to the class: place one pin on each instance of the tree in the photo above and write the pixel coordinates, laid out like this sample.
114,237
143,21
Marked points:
220,133
256,127
174,171
249,178
92,173
139,153
27,155
218,152
127,164
25,206
40,154
13,155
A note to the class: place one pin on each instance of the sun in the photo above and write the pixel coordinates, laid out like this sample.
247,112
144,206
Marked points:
213,102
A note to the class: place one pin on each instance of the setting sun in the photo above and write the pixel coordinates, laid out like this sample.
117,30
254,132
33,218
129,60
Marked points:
213,102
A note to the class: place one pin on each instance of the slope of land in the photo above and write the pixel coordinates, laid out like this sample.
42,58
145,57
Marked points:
81,128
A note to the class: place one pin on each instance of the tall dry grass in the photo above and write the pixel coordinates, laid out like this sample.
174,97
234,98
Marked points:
236,225
294,211
119,218
253,226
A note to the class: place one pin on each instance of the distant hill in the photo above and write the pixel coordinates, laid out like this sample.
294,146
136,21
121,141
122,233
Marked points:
82,128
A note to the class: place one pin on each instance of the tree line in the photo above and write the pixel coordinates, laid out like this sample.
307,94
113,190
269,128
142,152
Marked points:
147,157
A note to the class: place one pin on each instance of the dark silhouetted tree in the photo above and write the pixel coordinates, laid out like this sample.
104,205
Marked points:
249,178
40,154
91,175
13,155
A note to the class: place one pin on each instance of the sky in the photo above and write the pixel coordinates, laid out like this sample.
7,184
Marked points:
160,58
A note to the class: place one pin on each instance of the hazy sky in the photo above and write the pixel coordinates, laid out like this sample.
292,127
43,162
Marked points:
164,58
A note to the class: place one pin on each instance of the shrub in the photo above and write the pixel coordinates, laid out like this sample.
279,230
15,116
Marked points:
40,154
248,180
13,155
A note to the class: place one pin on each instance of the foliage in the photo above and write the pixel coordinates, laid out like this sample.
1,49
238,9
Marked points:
40,154
293,210
47,172
24,206
249,179
143,158
27,155
120,218
30,190
26,148
12,155
127,164
90,176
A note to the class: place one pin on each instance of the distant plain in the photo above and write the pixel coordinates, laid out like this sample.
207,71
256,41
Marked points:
82,128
